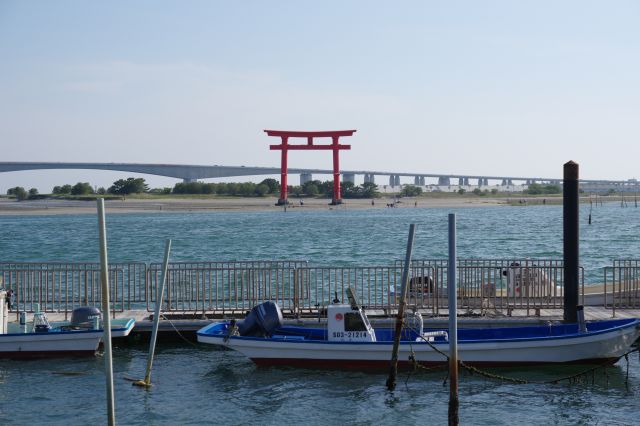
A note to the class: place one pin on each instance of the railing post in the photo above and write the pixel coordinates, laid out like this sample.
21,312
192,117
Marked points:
296,293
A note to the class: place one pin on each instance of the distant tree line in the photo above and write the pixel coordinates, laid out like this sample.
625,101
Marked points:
537,189
21,194
411,191
269,186
312,188
245,189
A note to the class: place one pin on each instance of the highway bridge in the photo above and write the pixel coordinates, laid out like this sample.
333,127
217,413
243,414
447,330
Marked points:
191,173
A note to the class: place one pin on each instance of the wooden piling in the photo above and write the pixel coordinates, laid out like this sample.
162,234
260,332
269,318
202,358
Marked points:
393,368
571,216
452,279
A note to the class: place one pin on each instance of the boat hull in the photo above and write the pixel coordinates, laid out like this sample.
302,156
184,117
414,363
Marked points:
45,345
56,343
590,348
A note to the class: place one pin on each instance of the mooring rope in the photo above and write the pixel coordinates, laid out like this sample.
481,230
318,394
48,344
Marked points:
178,331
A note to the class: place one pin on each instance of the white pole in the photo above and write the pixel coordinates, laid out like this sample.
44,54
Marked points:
156,317
452,280
106,318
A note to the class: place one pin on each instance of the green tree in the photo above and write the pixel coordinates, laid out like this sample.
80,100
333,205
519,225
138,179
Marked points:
61,190
33,193
552,189
274,185
310,188
461,191
130,186
261,190
536,189
370,190
411,191
81,188
18,192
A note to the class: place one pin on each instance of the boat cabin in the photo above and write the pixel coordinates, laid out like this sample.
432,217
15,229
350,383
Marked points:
348,324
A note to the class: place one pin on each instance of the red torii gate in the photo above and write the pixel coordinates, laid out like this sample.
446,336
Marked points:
284,147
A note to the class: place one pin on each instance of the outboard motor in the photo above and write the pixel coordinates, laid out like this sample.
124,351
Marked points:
262,321
84,317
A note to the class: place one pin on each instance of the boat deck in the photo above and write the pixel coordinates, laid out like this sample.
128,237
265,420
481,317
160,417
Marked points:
189,323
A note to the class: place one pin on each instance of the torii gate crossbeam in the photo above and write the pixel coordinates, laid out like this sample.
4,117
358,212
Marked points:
284,148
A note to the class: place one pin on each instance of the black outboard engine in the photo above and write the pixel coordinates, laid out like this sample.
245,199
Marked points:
262,321
84,317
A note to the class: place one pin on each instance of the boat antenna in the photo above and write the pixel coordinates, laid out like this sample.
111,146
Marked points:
335,297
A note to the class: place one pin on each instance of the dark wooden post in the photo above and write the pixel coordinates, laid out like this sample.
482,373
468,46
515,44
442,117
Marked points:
571,213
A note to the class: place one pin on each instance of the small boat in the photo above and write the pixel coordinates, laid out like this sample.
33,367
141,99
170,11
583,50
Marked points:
41,339
350,342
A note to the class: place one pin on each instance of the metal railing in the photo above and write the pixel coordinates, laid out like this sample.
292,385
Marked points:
62,290
224,290
484,285
622,285
375,287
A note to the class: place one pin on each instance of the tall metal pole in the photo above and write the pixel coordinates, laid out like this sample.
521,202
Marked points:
156,317
106,318
452,279
393,370
571,222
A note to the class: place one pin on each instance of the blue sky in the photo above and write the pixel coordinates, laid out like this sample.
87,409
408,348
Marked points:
478,87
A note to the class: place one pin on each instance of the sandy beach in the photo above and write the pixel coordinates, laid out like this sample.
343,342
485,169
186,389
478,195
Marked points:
163,205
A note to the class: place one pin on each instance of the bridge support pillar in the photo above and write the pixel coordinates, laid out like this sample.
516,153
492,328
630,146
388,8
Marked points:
421,180
460,181
305,177
397,180
349,177
416,180
444,181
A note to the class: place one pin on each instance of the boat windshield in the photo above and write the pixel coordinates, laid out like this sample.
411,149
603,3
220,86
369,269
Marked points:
353,322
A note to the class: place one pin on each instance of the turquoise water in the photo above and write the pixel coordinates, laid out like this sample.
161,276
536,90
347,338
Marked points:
201,385
206,386
337,237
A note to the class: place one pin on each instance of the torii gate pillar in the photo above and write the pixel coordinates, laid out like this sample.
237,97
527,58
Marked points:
284,147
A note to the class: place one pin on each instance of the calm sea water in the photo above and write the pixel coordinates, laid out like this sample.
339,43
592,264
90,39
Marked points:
201,385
